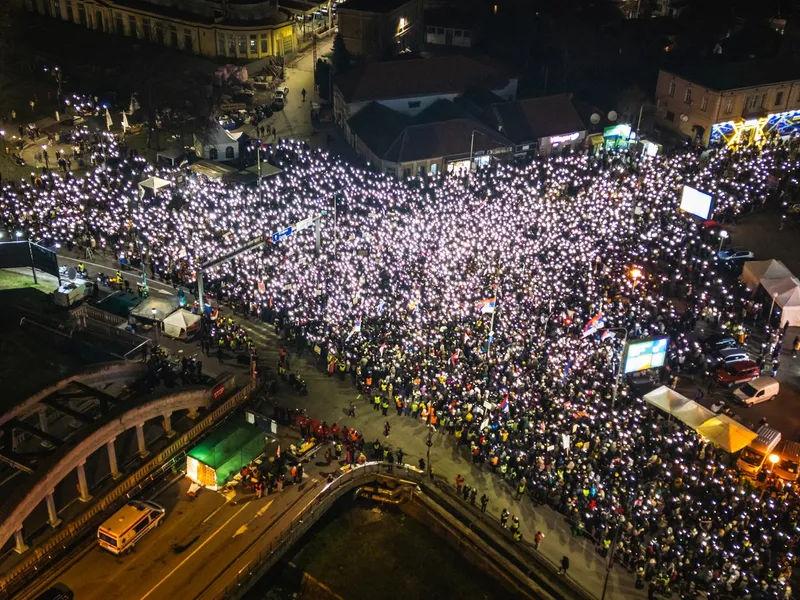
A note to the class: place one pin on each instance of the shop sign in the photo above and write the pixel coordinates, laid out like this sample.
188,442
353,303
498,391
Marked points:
564,139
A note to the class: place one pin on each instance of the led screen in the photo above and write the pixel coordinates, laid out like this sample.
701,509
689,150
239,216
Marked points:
645,354
696,202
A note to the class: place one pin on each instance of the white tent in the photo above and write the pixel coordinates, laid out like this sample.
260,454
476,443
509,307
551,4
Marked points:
786,293
693,414
153,184
181,324
756,272
164,306
666,399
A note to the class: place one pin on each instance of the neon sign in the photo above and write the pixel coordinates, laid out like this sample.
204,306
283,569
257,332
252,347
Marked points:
560,139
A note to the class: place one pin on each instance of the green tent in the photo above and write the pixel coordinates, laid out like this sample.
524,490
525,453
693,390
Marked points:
222,454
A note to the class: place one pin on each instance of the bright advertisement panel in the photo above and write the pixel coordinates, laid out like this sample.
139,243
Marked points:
696,202
645,354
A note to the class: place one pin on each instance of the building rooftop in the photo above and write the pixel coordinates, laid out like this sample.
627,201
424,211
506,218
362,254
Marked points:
419,77
273,17
441,130
720,76
373,6
535,118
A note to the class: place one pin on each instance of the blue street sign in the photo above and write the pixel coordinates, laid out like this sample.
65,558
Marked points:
279,235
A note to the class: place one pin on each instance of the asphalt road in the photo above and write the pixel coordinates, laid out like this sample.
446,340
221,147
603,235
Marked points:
191,554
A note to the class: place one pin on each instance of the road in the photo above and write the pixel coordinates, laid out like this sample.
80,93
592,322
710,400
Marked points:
184,558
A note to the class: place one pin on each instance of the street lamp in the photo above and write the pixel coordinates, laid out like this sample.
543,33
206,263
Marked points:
155,322
618,369
774,459
723,235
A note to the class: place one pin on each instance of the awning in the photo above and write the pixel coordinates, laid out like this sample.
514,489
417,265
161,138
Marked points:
666,399
726,433
595,139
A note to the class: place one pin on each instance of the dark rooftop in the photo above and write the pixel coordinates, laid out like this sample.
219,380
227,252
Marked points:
374,6
274,18
535,118
420,77
719,75
440,130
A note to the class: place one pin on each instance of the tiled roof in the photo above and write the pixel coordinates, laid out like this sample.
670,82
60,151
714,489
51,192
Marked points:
445,138
419,77
378,126
535,118
720,75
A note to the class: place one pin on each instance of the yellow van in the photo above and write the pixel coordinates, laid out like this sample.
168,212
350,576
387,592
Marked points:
788,462
120,533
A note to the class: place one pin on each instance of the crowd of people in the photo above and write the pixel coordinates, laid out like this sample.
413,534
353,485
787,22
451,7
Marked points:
465,299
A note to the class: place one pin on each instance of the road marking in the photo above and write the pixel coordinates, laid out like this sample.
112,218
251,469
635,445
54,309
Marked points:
219,508
196,550
260,513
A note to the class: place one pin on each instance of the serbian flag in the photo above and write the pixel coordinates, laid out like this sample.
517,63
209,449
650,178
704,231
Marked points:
454,357
595,323
607,335
503,406
486,306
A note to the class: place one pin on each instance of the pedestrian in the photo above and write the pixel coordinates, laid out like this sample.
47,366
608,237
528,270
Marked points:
473,493
465,493
303,92
386,429
421,464
459,483
775,366
484,502
537,539
564,565
351,411
795,346
504,517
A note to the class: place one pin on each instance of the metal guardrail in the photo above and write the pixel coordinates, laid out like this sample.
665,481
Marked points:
324,499
50,551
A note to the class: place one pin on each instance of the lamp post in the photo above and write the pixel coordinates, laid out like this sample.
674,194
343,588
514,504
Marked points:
429,443
610,564
723,235
155,323
771,308
618,369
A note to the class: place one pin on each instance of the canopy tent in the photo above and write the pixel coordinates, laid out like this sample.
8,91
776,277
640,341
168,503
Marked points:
170,155
755,272
181,324
164,307
726,433
223,453
786,293
152,185
693,414
666,399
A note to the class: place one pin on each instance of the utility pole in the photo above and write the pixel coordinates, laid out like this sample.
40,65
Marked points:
618,370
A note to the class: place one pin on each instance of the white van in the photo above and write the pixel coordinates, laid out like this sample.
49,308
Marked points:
752,458
121,532
788,463
757,391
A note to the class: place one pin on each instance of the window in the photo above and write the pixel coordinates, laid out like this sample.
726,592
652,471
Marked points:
146,29
242,45
81,14
467,34
160,32
57,6
457,33
778,98
138,528
229,152
231,45
729,106
415,104
221,44
670,116
687,97
264,44
188,42
68,12
118,26
440,30
253,44
173,36
704,103
406,173
672,88
213,154
432,30
132,26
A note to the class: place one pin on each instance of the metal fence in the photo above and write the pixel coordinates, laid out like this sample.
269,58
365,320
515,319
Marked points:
51,550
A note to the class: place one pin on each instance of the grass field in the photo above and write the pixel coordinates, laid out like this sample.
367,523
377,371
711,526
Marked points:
14,280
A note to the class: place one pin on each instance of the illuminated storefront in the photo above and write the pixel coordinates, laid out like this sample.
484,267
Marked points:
755,131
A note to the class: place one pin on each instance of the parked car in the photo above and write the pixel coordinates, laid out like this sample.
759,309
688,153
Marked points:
735,254
736,373
718,341
278,100
757,391
729,355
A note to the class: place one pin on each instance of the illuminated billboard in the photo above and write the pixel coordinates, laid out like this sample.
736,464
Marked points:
696,202
645,354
